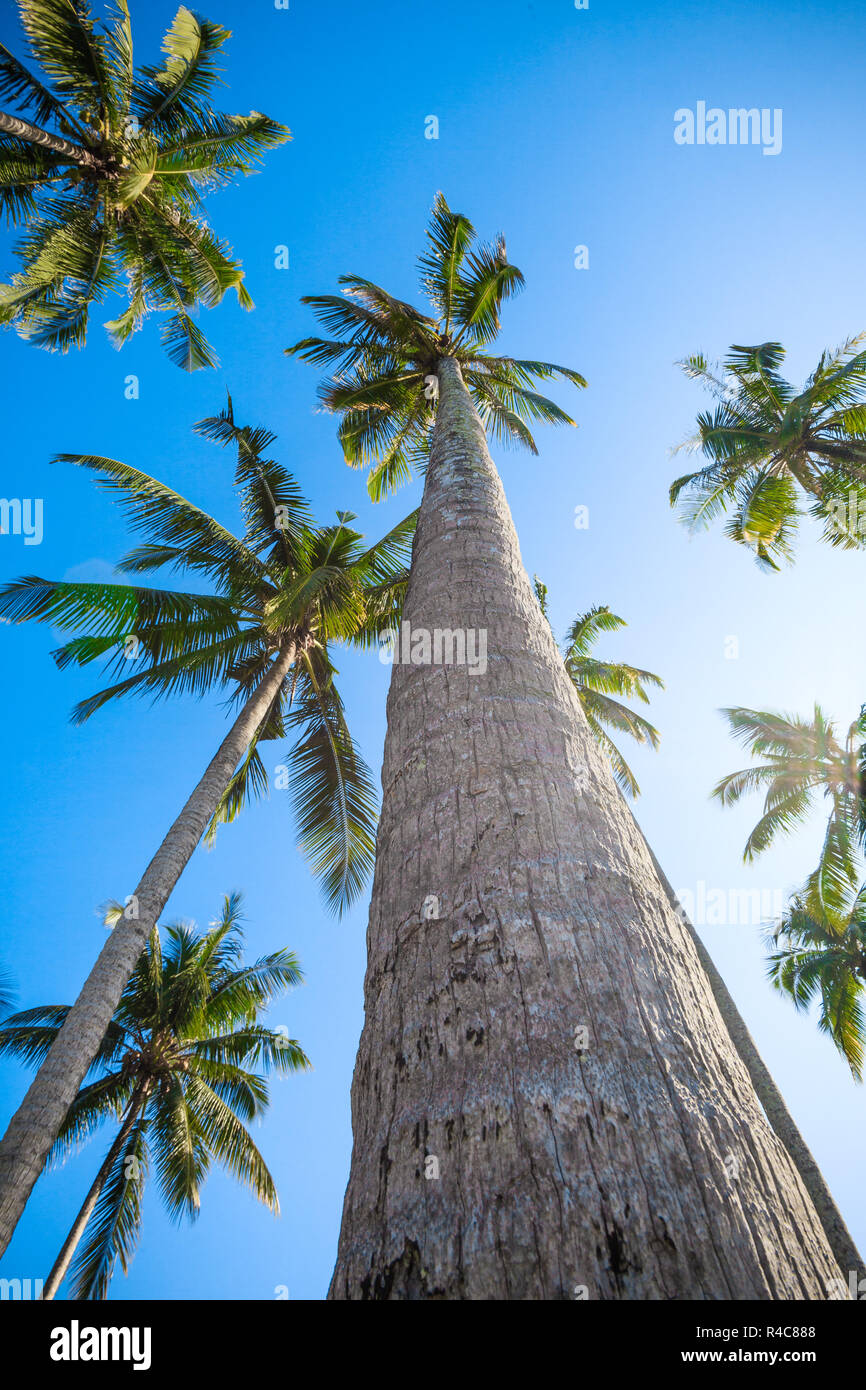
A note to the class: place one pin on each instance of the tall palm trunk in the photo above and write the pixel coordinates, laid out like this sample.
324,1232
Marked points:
838,1236
64,1259
35,135
546,1103
35,1125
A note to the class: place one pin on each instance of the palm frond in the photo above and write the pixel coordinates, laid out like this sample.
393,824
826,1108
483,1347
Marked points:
332,790
113,1233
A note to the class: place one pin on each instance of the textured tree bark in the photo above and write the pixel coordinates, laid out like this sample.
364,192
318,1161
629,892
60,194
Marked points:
840,1239
35,1125
546,1103
35,135
782,1121
70,1245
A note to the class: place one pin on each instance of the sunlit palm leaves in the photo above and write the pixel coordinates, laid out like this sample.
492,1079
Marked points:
108,173
799,758
283,582
819,954
381,351
596,682
185,1060
772,449
818,949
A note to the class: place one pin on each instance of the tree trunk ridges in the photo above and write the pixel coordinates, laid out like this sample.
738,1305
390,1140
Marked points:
639,1168
781,1121
36,1123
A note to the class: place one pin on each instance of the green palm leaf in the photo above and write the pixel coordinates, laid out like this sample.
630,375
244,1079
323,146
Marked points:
334,797
818,955
137,151
799,758
382,350
116,1222
770,447
597,681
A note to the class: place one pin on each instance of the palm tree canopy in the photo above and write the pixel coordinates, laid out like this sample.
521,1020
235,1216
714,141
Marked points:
187,1047
819,953
597,682
798,758
382,351
769,446
283,581
108,173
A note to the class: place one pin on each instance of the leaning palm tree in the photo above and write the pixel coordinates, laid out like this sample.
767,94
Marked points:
180,1070
799,758
106,172
771,448
545,1092
597,682
819,954
282,593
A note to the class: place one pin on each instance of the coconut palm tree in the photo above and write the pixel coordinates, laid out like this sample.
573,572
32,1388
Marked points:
596,682
181,1069
771,448
386,355
818,953
282,593
106,172
545,1091
801,757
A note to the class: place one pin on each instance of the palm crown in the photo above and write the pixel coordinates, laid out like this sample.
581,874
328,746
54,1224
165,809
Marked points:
181,1065
111,196
819,953
596,682
383,351
800,757
769,445
284,581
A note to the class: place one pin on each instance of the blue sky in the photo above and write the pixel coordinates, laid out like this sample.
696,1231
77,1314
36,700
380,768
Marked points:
556,127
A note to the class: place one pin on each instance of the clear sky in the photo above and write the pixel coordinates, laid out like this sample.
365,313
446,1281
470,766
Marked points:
556,127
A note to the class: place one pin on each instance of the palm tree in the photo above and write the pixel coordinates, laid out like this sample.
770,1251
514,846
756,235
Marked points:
545,1091
387,355
771,447
282,593
800,758
180,1068
819,954
596,682
110,195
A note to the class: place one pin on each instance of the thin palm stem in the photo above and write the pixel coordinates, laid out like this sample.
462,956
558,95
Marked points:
35,135
35,1125
64,1259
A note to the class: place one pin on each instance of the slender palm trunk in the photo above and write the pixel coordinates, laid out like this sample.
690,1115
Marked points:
35,135
34,1126
546,1102
64,1259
